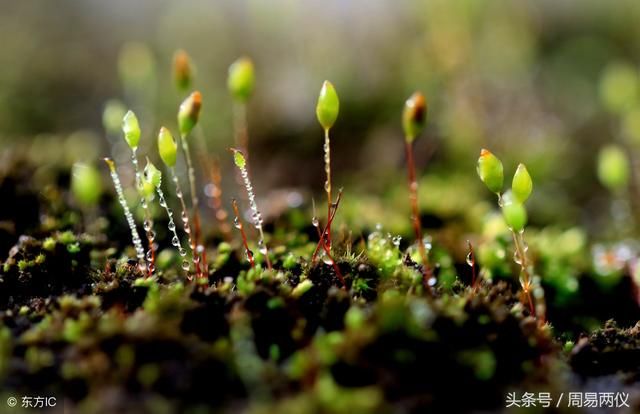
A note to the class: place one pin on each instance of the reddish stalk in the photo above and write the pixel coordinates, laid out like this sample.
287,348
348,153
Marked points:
413,199
526,280
240,227
328,226
333,262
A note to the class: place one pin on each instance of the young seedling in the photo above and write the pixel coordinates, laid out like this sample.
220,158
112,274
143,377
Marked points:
322,243
237,221
240,82
491,172
413,121
327,110
131,130
137,242
188,115
182,70
152,181
241,163
168,149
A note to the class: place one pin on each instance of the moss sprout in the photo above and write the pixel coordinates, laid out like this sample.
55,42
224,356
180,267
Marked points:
327,110
413,120
241,162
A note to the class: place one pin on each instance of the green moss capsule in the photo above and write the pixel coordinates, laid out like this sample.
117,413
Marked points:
241,79
131,129
238,159
613,168
86,184
515,215
522,185
490,171
414,116
328,105
167,147
151,178
189,113
112,115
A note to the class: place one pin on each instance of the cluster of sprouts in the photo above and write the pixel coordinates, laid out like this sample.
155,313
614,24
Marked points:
511,202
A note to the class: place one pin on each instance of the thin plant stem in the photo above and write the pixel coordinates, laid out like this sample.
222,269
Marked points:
238,223
194,205
336,269
471,261
525,280
175,240
185,222
325,232
413,199
137,242
327,183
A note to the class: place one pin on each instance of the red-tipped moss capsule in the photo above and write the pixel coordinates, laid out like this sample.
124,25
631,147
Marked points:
131,129
86,184
414,116
613,167
490,171
521,185
241,79
328,105
515,215
189,113
167,147
182,70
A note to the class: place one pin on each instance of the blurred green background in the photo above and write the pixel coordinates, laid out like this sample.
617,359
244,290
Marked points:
546,83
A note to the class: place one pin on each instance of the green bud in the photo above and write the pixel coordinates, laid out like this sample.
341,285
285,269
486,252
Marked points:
515,215
328,105
182,71
613,167
521,186
238,158
167,147
414,116
131,129
151,179
490,171
112,115
241,79
86,184
189,113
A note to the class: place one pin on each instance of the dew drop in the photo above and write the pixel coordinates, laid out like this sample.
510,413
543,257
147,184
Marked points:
470,259
185,266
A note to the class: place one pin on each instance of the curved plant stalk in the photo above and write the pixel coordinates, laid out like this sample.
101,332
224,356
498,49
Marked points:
241,163
237,221
137,242
324,234
332,262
